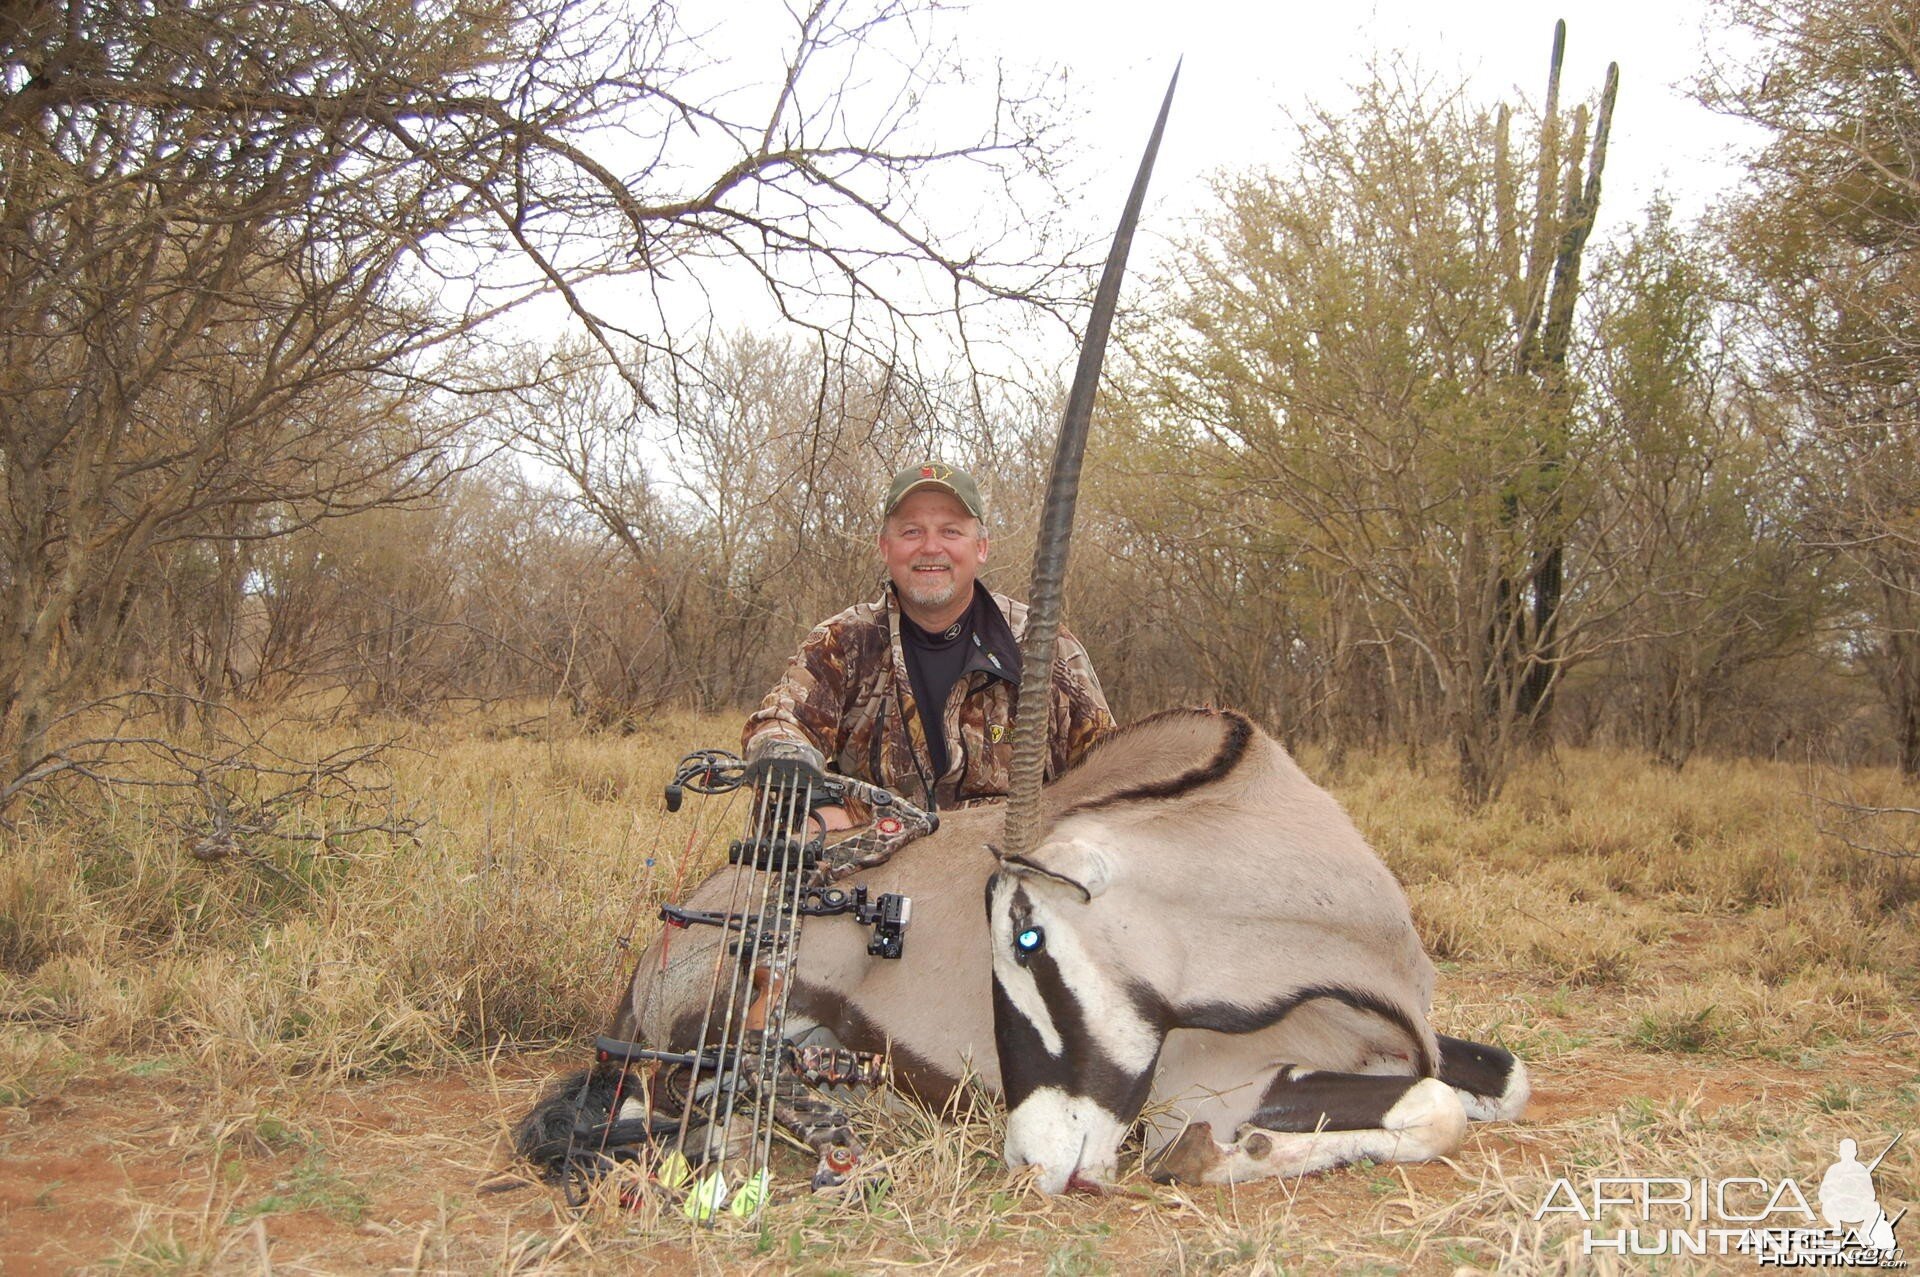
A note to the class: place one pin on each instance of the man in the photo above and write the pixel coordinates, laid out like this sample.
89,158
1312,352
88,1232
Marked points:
916,690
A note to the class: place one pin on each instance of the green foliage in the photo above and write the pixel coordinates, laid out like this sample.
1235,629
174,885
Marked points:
311,1185
1348,371
1716,585
1681,1033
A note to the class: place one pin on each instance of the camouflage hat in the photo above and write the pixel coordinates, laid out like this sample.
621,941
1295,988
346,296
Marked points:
943,478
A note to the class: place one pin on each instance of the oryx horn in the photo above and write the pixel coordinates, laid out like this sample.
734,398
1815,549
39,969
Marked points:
1056,524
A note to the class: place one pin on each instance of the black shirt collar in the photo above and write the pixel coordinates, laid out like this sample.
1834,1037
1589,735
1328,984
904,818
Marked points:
911,632
994,649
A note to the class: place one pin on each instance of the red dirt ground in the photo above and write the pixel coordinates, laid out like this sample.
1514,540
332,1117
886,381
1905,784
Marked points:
168,1174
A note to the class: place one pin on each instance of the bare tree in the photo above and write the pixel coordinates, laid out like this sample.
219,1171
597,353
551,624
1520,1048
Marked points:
247,252
1827,236
743,507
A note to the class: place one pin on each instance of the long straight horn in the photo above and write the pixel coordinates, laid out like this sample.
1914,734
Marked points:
1056,524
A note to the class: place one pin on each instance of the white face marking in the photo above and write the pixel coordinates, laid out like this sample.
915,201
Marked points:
1061,1134
1014,978
1074,942
1058,1132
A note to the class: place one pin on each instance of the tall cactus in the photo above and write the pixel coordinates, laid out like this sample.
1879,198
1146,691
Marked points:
1544,286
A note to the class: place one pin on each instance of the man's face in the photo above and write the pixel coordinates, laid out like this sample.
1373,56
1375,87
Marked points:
933,549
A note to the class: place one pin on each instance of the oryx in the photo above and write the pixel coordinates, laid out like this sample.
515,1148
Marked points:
1201,937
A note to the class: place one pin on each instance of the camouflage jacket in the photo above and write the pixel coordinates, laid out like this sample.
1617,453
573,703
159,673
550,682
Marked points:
847,693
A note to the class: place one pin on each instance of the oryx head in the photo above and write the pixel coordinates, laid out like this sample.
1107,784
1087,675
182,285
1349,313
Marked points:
1077,1041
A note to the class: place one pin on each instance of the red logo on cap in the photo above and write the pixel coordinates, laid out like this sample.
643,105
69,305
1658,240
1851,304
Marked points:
926,472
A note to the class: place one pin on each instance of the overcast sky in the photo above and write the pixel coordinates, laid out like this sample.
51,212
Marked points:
1247,64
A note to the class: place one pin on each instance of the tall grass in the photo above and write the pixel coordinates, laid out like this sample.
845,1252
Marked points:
1604,918
495,923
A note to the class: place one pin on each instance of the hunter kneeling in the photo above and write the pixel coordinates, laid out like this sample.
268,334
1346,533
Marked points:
916,690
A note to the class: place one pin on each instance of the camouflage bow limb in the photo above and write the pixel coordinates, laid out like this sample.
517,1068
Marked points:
896,822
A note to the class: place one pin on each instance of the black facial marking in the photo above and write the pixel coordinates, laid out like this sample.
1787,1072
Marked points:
1082,1068
1025,1064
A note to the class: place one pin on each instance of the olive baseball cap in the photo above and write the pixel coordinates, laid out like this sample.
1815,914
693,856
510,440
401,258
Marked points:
942,478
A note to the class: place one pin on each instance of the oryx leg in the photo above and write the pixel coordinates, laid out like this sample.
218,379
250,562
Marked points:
1491,1082
1311,1121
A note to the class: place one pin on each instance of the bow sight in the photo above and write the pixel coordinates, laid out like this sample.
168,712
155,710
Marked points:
888,916
696,1114
715,771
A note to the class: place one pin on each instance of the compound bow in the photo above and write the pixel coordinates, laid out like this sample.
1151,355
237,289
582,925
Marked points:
705,1119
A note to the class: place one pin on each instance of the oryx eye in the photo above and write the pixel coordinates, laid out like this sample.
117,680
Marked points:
1027,943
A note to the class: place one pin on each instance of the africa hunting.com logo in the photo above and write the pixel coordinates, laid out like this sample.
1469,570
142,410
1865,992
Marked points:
1767,1219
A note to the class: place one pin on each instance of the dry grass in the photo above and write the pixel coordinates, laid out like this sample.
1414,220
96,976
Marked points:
307,1059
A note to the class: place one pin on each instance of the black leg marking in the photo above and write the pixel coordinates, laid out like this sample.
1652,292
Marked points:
1474,1066
1489,1079
1311,1121
1299,1101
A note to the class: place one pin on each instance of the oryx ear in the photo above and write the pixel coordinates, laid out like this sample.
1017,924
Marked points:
1084,866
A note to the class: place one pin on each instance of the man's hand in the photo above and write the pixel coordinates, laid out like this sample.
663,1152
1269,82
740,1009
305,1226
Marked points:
771,748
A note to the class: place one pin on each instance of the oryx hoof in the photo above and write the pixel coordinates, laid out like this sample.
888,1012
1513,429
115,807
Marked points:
1429,1121
1189,1158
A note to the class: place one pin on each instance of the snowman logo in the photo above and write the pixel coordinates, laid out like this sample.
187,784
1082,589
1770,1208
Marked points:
1849,1204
